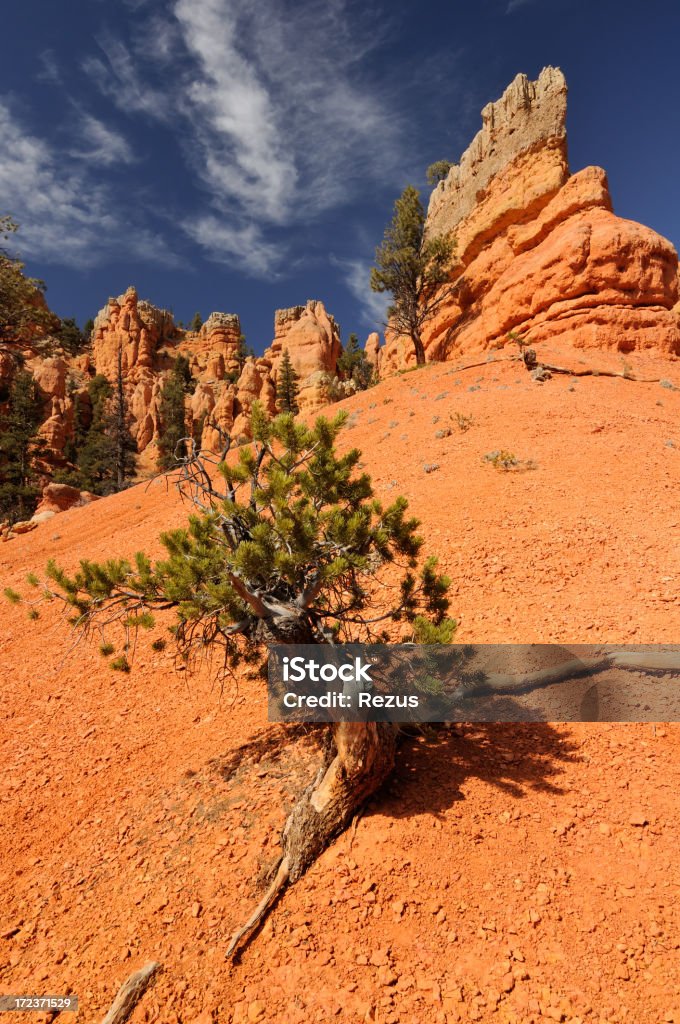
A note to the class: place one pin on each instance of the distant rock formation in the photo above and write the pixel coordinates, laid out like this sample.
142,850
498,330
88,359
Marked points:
539,251
312,338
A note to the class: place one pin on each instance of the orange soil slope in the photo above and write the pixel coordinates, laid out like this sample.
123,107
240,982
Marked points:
504,876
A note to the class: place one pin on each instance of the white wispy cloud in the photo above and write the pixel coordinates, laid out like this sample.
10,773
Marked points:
241,245
98,143
271,103
66,216
372,305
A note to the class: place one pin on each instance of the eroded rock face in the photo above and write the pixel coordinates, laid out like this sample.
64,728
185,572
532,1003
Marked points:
312,339
539,251
134,327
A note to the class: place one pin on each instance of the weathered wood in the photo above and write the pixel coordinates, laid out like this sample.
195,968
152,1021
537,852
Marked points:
130,992
357,763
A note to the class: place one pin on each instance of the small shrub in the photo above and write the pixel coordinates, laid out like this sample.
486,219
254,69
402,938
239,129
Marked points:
33,614
502,459
159,645
12,596
431,467
667,384
106,650
32,580
446,432
506,461
387,401
120,664
463,422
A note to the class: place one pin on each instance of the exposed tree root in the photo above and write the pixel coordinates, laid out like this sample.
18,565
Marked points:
130,992
357,762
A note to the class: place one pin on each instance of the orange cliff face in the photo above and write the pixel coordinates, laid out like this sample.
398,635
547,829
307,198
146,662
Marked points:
538,251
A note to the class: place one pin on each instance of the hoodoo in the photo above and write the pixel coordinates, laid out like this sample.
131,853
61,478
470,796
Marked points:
539,251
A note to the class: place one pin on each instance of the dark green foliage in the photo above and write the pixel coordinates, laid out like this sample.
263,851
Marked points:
159,645
102,445
120,664
171,444
106,650
12,596
196,322
287,387
88,328
23,314
437,171
411,269
295,551
353,364
20,449
71,338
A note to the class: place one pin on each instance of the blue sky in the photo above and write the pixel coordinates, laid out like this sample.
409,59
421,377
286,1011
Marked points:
244,155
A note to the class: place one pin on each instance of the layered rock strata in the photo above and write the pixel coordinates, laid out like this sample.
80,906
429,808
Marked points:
538,251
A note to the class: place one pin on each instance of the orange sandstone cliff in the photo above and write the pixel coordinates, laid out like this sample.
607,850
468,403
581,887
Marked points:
539,251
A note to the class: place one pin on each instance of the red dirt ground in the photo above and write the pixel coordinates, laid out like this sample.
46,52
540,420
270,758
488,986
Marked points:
501,877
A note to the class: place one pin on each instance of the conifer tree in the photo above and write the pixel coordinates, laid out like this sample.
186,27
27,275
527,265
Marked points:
23,313
287,387
107,458
289,546
171,445
353,364
72,339
196,323
20,448
412,269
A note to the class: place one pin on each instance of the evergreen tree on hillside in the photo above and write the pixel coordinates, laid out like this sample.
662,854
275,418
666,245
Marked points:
412,269
71,338
287,387
106,458
124,446
20,447
353,364
171,445
23,314
196,323
289,546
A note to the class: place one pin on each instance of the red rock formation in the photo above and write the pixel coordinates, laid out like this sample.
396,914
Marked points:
61,497
213,351
540,252
312,339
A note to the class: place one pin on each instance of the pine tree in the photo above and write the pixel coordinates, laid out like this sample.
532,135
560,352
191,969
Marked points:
196,323
23,313
299,551
287,388
71,338
412,269
353,364
124,445
171,444
20,448
107,458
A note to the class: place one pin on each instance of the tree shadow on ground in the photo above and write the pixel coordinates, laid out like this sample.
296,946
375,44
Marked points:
516,758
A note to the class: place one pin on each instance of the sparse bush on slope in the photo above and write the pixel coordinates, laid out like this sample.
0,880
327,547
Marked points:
289,549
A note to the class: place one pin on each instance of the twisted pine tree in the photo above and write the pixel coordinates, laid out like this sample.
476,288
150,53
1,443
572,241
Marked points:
290,548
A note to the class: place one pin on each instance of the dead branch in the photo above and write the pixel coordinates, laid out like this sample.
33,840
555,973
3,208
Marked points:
279,883
130,992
